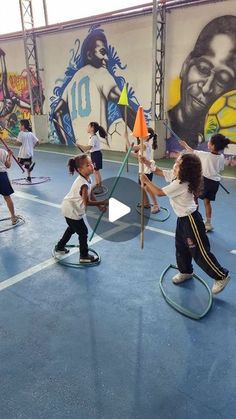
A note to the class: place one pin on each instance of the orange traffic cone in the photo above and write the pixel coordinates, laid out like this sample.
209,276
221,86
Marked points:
140,127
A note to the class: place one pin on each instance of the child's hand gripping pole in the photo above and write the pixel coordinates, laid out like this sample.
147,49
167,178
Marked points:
112,189
10,151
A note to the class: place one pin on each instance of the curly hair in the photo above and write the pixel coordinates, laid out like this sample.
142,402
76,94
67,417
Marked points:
190,171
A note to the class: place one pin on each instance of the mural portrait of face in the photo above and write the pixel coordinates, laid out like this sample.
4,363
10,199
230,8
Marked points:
94,50
98,56
207,77
207,73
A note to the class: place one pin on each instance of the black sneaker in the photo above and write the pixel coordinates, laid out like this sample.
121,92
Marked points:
61,251
31,166
88,259
28,179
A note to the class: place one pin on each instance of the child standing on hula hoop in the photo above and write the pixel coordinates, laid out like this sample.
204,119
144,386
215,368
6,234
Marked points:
5,185
212,164
150,143
94,147
191,240
74,207
28,141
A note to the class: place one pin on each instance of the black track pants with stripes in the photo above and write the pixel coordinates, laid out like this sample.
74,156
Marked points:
192,242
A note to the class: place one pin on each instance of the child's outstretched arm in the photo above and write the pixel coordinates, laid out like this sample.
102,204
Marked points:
85,148
151,164
186,146
150,187
9,159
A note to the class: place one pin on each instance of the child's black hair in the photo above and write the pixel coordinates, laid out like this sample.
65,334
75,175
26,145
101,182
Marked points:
26,124
76,163
190,170
98,128
153,136
219,141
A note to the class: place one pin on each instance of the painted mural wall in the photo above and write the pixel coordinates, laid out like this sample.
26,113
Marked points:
84,71
14,91
85,78
201,74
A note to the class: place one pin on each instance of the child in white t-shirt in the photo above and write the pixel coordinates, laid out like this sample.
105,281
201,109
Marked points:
28,141
94,147
150,143
74,207
6,189
191,240
212,164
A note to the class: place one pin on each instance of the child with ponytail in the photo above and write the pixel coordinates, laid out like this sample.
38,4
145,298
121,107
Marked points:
27,141
94,147
150,143
74,207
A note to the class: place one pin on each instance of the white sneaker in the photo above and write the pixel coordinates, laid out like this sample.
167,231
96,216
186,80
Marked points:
61,251
179,278
220,285
155,209
208,226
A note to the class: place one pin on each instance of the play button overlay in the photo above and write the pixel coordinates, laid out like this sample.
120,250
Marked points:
121,221
117,210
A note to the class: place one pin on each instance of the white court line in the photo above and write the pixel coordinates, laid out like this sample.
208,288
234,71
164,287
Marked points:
50,262
112,161
72,155
158,230
35,269
34,198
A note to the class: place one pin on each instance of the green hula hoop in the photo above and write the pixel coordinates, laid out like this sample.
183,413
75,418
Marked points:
188,313
160,220
10,227
78,265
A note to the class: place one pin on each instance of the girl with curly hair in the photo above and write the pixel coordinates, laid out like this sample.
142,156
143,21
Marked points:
191,241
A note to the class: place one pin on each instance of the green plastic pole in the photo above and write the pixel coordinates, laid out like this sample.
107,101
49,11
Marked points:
112,189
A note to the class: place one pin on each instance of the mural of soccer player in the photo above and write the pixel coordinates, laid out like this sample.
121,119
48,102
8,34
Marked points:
7,100
90,91
207,73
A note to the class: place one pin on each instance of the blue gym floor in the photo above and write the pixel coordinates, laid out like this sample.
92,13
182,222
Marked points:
102,343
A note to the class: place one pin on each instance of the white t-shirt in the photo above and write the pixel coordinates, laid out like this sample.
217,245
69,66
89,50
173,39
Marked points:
212,164
147,153
95,142
181,200
73,205
86,95
3,157
28,141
